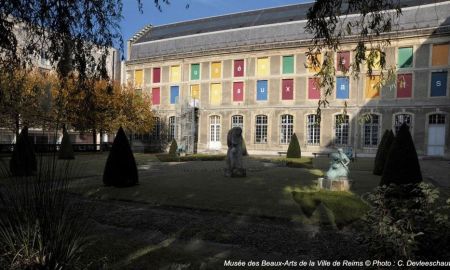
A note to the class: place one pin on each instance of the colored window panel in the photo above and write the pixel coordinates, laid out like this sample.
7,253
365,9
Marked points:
376,59
175,74
373,86
405,57
238,91
287,89
174,93
343,61
261,90
216,70
438,84
404,85
342,88
239,68
313,88
262,67
216,93
138,78
311,68
195,91
288,64
195,71
156,96
439,55
156,75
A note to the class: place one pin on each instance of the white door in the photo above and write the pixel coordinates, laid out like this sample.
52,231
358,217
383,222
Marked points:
214,132
436,140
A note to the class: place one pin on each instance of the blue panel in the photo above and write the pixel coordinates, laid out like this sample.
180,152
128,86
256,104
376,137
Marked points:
342,88
261,90
438,84
174,92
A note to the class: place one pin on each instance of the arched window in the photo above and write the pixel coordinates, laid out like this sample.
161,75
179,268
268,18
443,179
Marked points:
436,119
172,128
287,128
312,130
237,121
156,132
371,129
261,129
402,118
214,124
341,129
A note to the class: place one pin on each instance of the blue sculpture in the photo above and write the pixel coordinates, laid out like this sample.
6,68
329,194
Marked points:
338,166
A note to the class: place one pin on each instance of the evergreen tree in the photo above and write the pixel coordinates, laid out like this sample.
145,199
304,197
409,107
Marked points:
402,165
120,169
382,152
173,148
66,150
294,148
23,160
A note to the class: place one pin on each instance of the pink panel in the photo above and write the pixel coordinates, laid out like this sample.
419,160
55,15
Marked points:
156,75
238,68
313,88
404,85
287,89
156,96
344,59
238,91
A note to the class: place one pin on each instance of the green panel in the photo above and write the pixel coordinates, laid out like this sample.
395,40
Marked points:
195,71
288,64
405,57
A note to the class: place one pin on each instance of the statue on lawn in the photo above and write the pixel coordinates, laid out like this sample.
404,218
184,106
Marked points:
338,166
234,154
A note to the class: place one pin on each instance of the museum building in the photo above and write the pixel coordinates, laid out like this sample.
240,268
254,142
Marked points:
250,70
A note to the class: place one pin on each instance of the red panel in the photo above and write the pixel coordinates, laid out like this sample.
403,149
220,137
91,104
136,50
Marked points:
238,68
156,96
313,88
238,91
156,75
404,85
287,89
344,59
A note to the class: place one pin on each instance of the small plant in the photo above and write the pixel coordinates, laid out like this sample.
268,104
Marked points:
23,160
294,148
120,169
173,148
66,150
382,152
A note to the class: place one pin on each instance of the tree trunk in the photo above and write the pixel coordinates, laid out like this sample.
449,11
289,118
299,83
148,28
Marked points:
94,138
17,126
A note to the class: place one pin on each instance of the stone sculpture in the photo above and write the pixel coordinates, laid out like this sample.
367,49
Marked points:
234,154
337,176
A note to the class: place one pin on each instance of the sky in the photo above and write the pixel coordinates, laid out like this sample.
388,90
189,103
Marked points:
134,21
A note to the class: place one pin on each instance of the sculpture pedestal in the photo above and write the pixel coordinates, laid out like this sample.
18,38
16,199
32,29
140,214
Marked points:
340,184
236,172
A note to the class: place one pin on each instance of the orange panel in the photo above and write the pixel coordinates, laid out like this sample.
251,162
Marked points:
373,86
439,55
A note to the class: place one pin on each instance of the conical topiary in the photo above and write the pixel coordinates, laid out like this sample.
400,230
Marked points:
23,160
66,150
120,169
382,152
173,148
402,165
244,148
294,148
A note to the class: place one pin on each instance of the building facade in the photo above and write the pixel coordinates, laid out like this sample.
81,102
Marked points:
249,69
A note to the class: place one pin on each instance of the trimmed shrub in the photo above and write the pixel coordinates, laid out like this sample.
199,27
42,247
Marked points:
120,169
244,148
66,150
23,160
402,165
382,152
294,148
173,148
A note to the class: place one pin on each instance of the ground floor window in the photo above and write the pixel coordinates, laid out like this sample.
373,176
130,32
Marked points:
214,124
237,121
287,128
400,119
371,129
341,129
312,130
172,129
261,129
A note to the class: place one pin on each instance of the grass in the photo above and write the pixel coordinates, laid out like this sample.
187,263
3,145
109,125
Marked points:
303,162
195,157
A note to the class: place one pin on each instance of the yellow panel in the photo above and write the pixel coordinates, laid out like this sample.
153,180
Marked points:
439,55
376,64
195,91
262,67
309,63
373,86
175,74
216,93
216,70
138,78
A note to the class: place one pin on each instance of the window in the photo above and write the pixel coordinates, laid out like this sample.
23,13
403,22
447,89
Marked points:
438,84
288,64
343,61
404,85
138,78
237,121
342,88
436,119
371,130
214,124
261,90
313,88
405,57
287,89
216,94
312,130
172,128
262,66
156,132
261,129
216,70
373,84
175,74
156,75
174,93
238,91
439,55
287,128
156,96
239,68
195,71
400,119
341,129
